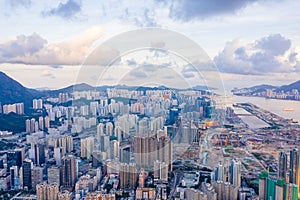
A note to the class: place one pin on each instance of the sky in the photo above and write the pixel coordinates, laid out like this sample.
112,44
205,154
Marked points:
46,44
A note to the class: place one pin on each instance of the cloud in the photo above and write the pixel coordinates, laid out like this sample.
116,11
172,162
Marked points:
65,10
143,17
188,71
19,3
271,54
33,49
138,74
22,46
56,66
188,75
186,10
274,44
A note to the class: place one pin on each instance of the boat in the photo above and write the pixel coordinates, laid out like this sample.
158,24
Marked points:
288,109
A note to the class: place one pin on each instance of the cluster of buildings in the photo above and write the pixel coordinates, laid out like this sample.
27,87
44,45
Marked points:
17,108
105,148
286,184
268,93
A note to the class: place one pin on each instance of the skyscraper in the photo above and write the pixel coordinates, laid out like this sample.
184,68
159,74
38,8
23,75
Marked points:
69,146
32,125
47,122
39,151
165,151
294,166
125,153
41,191
69,171
46,191
37,103
128,175
27,123
282,165
263,185
114,149
14,158
64,195
235,173
219,174
87,147
279,189
145,150
41,123
291,191
103,142
58,155
53,173
36,176
98,157
13,176
52,191
26,172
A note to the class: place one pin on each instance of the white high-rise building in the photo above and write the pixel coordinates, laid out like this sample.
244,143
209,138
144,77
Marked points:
58,155
84,110
109,129
100,129
27,122
235,173
41,123
37,103
114,149
47,122
87,147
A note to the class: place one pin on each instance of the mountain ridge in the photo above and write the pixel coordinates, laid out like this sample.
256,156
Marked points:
264,87
11,91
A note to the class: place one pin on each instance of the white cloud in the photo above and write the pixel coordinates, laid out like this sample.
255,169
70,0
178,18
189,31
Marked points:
266,55
33,49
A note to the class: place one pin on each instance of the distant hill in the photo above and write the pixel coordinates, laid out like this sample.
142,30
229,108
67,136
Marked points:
12,91
69,89
290,87
264,87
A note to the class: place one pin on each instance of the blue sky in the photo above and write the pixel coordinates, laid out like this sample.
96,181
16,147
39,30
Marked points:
44,43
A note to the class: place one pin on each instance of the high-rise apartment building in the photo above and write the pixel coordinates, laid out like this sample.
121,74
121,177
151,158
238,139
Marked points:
87,147
36,176
282,165
235,173
46,191
128,175
69,171
54,174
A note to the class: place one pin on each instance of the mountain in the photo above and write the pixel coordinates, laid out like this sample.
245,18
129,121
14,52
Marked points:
290,87
12,91
69,89
261,88
264,87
